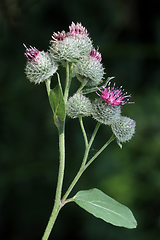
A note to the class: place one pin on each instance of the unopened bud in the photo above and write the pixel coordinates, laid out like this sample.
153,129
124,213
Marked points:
124,128
90,68
78,105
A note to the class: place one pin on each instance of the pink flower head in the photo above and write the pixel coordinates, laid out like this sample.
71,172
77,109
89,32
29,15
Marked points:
95,54
114,96
32,54
60,36
77,30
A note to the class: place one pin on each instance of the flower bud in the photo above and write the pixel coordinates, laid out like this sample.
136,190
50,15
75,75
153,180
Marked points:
90,68
78,105
72,45
124,128
39,65
105,113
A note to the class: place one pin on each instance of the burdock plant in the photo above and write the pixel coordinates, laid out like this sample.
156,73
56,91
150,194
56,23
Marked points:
74,50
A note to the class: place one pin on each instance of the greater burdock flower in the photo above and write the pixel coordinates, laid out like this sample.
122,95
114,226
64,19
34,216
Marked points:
124,128
72,45
90,69
105,113
78,105
114,96
107,109
39,65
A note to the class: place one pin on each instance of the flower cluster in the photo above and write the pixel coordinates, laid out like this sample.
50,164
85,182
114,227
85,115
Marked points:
73,46
107,110
76,47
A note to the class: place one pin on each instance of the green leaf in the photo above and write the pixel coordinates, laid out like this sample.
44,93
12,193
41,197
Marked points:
57,103
102,206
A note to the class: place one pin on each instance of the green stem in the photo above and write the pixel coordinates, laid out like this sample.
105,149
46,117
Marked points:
99,152
83,131
90,144
57,204
83,84
82,168
48,83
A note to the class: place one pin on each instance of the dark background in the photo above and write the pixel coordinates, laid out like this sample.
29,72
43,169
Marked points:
128,35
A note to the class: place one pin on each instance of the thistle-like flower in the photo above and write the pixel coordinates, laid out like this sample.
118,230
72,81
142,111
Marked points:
78,105
124,128
107,110
90,69
39,65
114,96
74,44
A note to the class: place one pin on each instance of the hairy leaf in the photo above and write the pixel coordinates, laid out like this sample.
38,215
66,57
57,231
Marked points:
57,103
102,206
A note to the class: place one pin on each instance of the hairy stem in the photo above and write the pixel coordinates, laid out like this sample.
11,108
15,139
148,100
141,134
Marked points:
82,168
57,204
99,152
83,131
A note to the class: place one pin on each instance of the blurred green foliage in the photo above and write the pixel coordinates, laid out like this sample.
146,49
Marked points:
128,36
